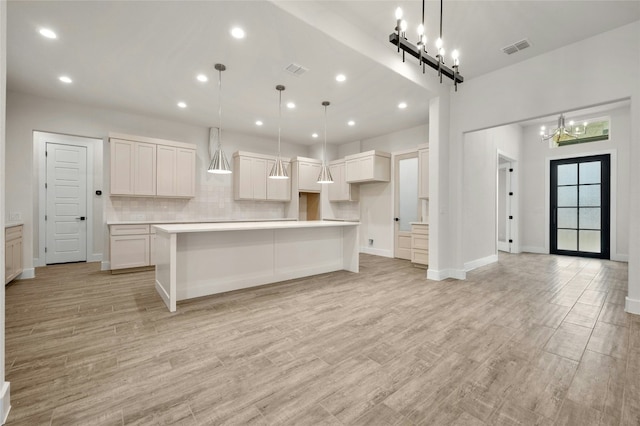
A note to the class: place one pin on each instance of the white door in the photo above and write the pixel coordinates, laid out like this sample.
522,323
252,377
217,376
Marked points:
66,192
407,206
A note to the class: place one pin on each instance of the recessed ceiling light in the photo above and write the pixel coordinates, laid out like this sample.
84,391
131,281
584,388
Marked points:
259,123
203,78
65,79
46,32
314,135
291,105
351,123
341,77
237,32
402,105
182,104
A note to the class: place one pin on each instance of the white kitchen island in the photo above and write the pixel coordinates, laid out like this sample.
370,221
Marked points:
200,259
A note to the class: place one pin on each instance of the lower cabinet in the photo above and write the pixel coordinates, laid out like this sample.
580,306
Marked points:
420,244
12,253
132,246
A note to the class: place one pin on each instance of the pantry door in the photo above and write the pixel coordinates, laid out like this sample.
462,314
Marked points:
407,204
580,202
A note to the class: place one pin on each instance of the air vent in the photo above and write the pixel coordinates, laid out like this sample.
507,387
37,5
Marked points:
515,47
296,69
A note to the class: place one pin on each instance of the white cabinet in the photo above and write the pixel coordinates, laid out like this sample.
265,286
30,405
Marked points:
250,178
131,246
279,189
423,173
152,167
340,190
175,171
12,252
370,166
307,171
420,244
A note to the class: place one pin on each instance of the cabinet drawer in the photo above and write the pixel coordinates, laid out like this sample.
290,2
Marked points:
420,256
420,241
129,229
13,233
420,229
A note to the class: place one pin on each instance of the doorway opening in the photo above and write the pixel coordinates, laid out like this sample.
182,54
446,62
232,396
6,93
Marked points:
505,203
407,204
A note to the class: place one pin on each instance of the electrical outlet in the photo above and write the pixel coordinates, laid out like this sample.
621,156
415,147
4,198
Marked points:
15,216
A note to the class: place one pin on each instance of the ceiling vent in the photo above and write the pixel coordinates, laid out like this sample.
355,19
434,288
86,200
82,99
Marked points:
296,69
515,47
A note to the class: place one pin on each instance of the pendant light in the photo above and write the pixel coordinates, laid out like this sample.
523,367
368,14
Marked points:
278,171
219,163
325,173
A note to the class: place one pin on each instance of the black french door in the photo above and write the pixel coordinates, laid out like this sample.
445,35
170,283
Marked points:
580,202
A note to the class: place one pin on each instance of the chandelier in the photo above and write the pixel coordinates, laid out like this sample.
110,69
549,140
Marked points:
562,132
419,50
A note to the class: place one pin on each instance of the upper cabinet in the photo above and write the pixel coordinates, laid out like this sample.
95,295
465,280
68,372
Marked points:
307,170
340,190
370,166
423,172
152,167
251,178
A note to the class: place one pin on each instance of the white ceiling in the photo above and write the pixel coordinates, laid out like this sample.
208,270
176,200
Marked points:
143,56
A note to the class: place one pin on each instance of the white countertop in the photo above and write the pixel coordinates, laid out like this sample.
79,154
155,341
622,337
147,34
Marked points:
246,226
10,224
177,221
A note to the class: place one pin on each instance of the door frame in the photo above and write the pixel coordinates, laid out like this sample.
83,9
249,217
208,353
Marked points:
394,198
613,198
511,202
92,145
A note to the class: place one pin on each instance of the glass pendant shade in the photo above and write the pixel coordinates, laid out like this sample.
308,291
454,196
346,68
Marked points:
219,164
325,175
278,171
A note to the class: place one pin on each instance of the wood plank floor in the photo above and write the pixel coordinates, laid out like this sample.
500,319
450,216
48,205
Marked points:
532,339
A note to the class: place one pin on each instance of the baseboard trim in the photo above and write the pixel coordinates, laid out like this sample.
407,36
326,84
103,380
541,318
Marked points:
533,249
5,405
620,257
470,266
376,252
95,257
27,274
632,306
105,265
446,273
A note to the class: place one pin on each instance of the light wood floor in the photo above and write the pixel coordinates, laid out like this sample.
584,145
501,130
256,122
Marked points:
530,340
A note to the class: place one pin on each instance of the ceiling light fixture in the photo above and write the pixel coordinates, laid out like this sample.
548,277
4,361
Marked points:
237,32
341,77
279,171
314,135
291,105
351,123
182,105
419,51
402,105
562,132
325,173
65,79
46,32
219,163
259,123
202,78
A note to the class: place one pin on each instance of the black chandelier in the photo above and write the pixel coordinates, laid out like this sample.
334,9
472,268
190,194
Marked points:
419,51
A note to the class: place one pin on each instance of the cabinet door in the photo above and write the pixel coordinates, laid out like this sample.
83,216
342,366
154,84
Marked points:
17,257
129,251
122,159
352,170
259,178
8,261
423,173
243,184
166,170
185,172
366,166
336,189
278,189
144,169
308,177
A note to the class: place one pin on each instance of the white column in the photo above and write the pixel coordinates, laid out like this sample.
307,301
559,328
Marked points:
633,297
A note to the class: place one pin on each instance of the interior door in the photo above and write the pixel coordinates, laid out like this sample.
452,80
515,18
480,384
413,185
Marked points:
407,206
66,193
580,199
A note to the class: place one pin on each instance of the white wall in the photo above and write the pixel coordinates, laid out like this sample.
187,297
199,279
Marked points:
398,141
480,190
565,79
214,198
535,183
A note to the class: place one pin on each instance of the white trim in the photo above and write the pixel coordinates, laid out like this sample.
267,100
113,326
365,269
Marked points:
27,274
503,246
40,140
394,196
613,195
470,266
5,405
377,251
105,265
620,257
446,273
534,249
513,201
632,306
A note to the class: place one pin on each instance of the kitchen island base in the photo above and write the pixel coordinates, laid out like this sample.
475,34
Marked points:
205,259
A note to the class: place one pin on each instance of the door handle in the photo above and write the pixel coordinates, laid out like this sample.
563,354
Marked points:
81,218
396,219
